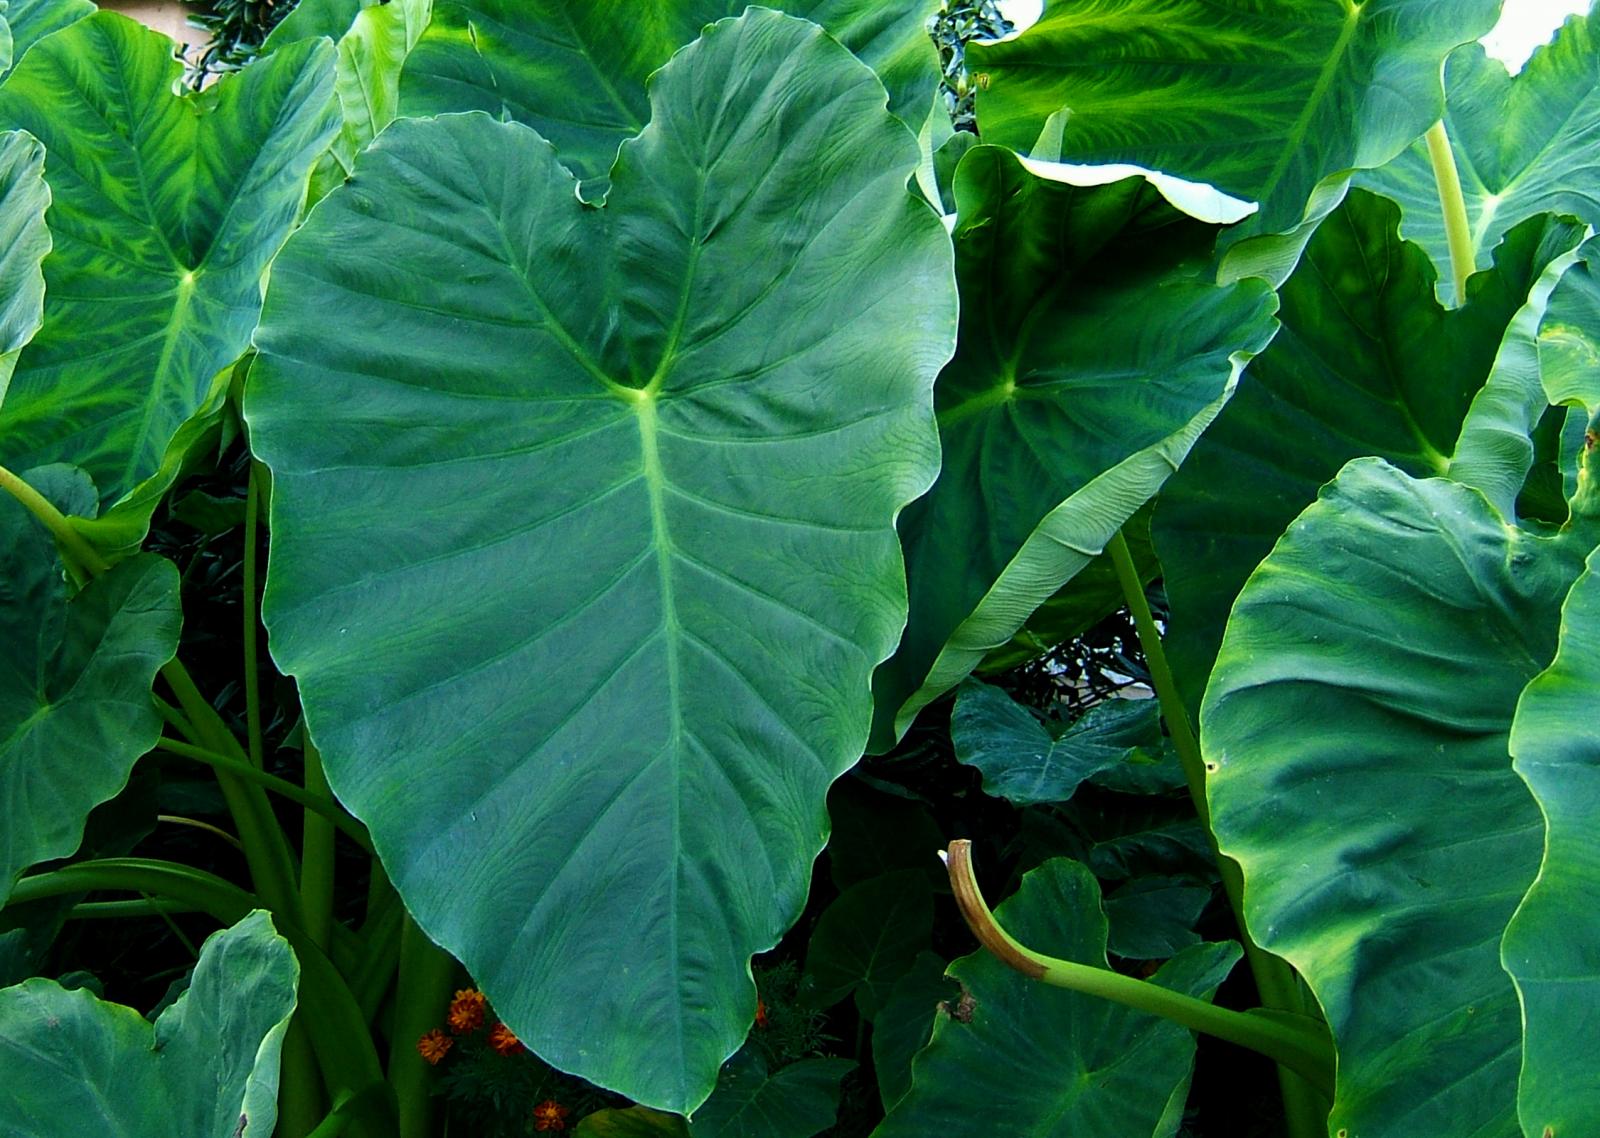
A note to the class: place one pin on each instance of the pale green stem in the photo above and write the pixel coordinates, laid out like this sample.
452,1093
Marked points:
1301,1045
252,678
1275,980
426,972
74,547
1457,229
316,853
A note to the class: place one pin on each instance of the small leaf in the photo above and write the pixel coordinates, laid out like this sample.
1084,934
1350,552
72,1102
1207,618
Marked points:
867,939
795,1101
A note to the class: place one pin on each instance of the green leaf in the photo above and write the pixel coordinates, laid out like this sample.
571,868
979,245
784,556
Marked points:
24,241
867,939
634,1122
575,70
75,677
1045,1062
656,448
1025,763
1262,101
904,1023
795,1101
207,1068
1569,335
1523,145
1356,733
1368,363
311,19
1092,354
1153,918
874,833
30,21
1551,946
166,213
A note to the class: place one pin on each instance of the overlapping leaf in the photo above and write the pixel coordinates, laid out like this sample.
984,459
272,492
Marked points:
1092,355
1046,1062
795,1101
1368,363
165,213
1523,145
207,1068
867,939
1264,101
1356,729
29,21
575,70
611,495
75,676
24,241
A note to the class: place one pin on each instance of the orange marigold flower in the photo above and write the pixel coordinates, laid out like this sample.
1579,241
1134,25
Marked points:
550,1115
466,1011
761,1012
503,1041
434,1045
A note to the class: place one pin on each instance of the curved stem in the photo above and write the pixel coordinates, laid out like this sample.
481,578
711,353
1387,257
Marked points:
196,823
1295,1044
1457,228
326,807
74,548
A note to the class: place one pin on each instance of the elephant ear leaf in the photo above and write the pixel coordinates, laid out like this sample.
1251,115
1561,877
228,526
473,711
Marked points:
24,241
1263,104
207,1068
1356,733
29,21
75,676
1550,946
166,212
657,447
1093,353
1504,130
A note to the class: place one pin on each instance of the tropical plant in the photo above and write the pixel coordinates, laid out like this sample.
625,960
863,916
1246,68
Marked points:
684,482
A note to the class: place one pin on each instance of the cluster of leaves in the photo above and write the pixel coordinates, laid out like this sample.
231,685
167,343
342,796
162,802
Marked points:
234,32
701,416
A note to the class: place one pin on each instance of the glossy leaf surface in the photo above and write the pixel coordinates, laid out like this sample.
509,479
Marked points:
75,677
1092,354
207,1068
1524,144
165,213
24,241
1368,363
1356,730
575,70
1262,100
1552,948
657,447
1044,1061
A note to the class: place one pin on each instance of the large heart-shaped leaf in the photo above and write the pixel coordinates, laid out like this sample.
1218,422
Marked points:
1523,145
1264,100
1048,1063
24,241
611,495
166,213
1092,355
1356,733
1368,363
575,70
75,676
1552,947
207,1068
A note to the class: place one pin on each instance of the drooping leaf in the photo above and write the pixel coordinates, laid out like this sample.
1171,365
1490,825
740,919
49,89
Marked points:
207,1068
1046,1062
1356,732
1152,918
867,939
575,70
1025,763
165,213
1092,355
75,677
1552,947
795,1101
1368,363
1524,144
29,21
24,241
904,1023
1264,101
659,446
